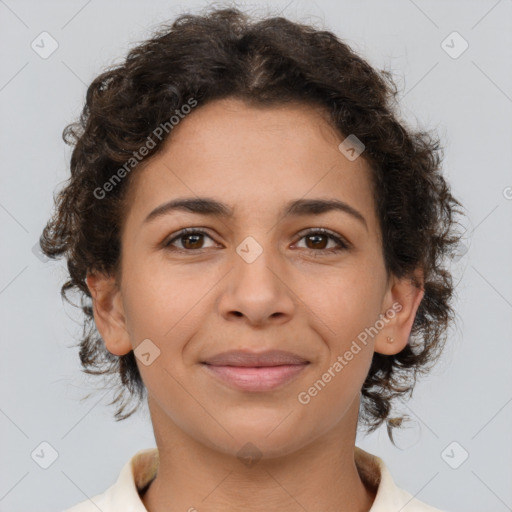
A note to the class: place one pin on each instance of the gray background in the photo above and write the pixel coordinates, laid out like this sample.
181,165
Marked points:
466,399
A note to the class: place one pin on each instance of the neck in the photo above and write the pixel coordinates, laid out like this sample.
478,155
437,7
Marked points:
321,476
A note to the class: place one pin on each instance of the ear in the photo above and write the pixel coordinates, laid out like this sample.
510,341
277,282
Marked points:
109,313
401,304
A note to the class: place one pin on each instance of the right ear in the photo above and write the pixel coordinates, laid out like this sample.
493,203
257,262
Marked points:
109,313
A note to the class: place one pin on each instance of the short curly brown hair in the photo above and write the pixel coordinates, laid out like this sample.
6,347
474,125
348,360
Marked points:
224,53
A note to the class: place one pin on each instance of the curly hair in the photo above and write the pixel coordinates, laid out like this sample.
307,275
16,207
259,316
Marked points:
272,61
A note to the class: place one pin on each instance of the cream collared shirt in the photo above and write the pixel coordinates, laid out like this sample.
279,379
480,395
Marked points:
123,495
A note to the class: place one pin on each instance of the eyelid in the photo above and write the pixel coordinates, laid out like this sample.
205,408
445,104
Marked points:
185,231
340,239
343,243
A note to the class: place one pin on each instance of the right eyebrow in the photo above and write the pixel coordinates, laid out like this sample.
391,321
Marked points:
201,205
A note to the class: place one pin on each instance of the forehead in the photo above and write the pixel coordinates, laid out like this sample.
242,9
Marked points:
253,159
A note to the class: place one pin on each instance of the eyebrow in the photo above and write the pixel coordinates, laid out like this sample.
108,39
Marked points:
295,208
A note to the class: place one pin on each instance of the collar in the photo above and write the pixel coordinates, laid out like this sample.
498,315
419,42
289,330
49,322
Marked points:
143,466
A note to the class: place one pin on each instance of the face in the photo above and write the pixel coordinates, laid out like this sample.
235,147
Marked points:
306,280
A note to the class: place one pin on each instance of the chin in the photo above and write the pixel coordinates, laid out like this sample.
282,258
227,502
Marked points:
259,435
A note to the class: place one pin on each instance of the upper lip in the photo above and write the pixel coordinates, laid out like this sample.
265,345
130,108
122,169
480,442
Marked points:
252,359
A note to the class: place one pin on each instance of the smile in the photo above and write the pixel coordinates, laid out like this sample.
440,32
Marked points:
255,379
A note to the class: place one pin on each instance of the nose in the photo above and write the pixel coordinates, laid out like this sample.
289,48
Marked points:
258,291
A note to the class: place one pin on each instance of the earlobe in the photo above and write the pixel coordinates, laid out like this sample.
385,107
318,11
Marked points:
109,313
403,300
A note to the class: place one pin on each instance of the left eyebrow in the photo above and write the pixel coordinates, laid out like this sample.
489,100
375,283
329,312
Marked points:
295,208
319,206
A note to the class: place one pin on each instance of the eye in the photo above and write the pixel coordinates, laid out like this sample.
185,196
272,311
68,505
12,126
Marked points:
190,238
314,238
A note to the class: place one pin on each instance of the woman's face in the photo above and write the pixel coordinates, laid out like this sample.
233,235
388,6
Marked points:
257,280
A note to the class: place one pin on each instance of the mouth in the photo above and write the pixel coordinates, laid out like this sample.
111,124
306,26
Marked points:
255,359
255,372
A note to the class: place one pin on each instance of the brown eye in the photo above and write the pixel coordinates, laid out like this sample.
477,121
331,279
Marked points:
190,239
317,241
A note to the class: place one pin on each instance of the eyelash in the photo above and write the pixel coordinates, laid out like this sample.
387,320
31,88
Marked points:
343,245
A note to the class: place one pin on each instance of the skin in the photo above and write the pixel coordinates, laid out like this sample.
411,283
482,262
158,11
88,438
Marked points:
295,296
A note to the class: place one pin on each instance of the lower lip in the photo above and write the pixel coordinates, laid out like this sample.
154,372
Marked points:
264,378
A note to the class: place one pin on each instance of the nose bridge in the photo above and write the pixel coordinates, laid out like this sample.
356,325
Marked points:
257,262
257,286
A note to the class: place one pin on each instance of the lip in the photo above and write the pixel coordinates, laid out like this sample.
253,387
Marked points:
255,372
256,379
254,359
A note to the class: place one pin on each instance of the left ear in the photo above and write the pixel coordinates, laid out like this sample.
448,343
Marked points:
403,298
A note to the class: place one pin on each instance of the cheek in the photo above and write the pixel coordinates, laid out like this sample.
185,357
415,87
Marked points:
156,296
332,392
342,304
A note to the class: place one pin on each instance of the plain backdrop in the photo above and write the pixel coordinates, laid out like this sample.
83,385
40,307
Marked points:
455,454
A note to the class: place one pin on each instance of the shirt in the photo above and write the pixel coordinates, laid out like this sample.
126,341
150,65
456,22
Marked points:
139,471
